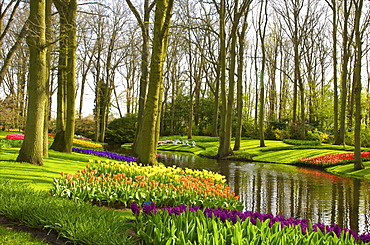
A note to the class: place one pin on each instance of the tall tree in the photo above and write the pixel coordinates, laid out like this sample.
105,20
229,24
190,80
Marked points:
333,5
145,58
346,40
239,98
63,141
148,136
223,149
357,80
32,147
262,21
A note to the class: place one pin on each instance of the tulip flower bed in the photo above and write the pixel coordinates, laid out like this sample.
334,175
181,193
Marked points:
119,185
111,155
330,160
196,225
80,137
86,144
15,136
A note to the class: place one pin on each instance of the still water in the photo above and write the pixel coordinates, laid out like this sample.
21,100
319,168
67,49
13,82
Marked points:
290,191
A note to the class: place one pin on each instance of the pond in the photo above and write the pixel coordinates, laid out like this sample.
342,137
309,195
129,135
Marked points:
290,191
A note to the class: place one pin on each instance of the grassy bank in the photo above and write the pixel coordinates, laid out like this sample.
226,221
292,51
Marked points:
274,152
30,204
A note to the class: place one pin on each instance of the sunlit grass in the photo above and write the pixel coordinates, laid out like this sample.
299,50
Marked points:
348,170
41,178
9,236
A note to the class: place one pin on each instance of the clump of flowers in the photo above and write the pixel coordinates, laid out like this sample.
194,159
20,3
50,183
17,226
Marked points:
80,137
101,185
234,216
329,160
111,155
15,136
86,144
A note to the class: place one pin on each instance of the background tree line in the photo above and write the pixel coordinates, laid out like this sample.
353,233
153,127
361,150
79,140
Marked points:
264,68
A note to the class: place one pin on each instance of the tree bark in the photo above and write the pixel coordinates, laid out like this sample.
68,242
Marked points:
357,78
32,147
148,136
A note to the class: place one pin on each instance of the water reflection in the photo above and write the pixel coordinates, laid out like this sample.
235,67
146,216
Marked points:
291,191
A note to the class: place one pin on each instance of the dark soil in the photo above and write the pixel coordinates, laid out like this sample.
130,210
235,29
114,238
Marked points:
51,237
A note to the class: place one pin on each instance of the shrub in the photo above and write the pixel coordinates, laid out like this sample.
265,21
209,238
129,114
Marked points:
316,135
6,143
85,127
121,131
301,142
281,134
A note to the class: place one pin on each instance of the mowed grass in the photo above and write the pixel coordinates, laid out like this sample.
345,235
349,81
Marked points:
41,177
274,152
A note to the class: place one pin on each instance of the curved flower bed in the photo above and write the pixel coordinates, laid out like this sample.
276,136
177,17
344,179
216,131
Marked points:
119,185
330,160
87,144
110,155
150,212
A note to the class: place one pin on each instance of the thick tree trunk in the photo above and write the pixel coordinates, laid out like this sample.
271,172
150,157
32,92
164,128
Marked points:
32,147
145,55
148,136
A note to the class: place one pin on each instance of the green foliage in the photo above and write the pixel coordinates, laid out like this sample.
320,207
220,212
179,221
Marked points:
281,134
195,228
86,127
316,135
11,237
78,222
302,142
5,143
365,137
121,130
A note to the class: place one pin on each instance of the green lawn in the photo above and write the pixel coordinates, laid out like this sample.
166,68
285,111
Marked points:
41,178
275,152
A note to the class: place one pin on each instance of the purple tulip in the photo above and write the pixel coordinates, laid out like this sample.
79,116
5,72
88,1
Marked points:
235,216
111,155
135,208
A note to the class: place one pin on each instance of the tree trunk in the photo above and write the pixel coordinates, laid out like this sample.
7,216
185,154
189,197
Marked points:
344,76
145,55
357,77
239,106
63,140
148,136
32,147
222,59
48,6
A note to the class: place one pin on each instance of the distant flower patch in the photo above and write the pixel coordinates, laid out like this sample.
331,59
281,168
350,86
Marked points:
330,160
80,137
111,155
86,144
15,136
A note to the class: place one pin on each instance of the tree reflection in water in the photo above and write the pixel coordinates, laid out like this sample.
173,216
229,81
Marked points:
291,191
